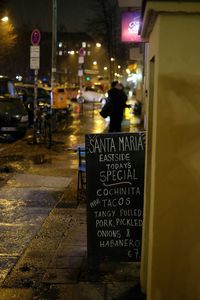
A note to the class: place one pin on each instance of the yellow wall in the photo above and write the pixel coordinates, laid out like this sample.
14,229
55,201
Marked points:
173,197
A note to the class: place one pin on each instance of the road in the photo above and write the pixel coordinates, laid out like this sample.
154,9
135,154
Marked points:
31,174
42,227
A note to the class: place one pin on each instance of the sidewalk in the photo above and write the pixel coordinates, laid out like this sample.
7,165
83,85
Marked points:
54,264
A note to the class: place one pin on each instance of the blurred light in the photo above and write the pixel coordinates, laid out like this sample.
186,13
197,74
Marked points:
139,76
130,94
60,45
128,71
89,53
60,53
5,19
112,59
129,27
19,78
132,77
132,67
71,52
105,68
84,44
98,45
119,67
94,63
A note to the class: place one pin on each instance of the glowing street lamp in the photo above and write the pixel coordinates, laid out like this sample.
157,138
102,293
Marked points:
98,45
5,19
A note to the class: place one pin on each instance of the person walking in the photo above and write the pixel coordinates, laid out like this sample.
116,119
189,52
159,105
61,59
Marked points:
117,99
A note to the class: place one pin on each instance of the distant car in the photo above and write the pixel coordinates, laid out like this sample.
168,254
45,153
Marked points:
7,86
26,92
90,95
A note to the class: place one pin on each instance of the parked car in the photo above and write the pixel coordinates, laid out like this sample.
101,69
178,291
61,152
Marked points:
13,114
90,94
26,92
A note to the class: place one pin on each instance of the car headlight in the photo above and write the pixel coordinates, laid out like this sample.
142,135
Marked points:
24,118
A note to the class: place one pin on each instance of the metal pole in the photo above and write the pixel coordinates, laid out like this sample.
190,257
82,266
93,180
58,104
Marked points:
54,48
35,92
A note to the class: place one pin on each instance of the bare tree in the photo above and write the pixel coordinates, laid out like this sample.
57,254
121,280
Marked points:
7,39
3,5
7,34
103,26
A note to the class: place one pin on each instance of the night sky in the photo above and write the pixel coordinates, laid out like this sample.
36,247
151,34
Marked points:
37,13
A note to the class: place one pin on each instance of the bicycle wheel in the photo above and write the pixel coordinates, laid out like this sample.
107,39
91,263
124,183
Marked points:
47,134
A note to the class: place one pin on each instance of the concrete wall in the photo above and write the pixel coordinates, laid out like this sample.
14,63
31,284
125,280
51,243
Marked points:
172,193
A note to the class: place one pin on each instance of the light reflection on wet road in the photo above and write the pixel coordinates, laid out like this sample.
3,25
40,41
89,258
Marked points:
23,208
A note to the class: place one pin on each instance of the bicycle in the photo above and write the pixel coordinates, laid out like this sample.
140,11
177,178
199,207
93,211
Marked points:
43,126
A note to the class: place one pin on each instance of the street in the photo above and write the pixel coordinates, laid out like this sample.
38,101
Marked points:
42,225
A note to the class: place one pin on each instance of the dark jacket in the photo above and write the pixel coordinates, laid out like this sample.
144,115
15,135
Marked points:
117,99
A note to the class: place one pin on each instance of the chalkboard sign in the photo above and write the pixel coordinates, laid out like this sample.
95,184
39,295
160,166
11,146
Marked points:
115,189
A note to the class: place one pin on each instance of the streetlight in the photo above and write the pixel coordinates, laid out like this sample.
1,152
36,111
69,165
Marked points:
54,44
5,19
98,45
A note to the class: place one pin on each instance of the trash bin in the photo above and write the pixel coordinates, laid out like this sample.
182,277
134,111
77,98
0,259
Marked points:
60,99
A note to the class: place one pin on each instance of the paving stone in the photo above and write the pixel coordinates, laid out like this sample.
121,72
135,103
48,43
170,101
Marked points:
16,294
15,237
61,275
65,249
17,211
125,291
64,262
6,263
33,180
41,196
78,291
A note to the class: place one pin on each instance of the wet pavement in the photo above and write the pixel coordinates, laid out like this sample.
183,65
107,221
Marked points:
43,251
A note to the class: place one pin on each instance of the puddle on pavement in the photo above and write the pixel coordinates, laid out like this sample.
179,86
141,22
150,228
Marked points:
6,169
12,157
39,159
